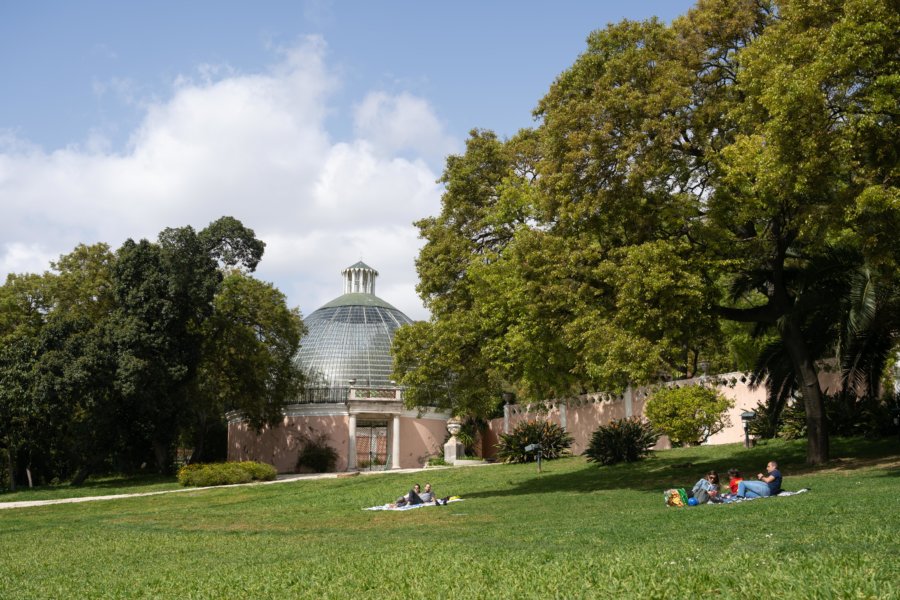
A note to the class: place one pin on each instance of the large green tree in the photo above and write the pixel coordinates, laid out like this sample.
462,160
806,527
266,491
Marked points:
108,358
248,362
164,295
681,175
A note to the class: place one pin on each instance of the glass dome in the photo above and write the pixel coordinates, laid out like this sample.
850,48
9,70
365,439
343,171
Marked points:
349,339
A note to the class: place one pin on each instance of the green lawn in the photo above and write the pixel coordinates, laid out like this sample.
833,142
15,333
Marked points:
574,531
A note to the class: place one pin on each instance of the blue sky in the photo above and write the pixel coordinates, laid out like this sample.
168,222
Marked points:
322,125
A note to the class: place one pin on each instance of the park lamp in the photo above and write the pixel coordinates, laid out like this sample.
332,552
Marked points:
746,417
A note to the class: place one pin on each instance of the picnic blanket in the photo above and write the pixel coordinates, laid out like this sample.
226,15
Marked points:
730,498
410,506
678,497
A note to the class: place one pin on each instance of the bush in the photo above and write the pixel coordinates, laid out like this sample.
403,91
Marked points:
623,440
316,455
553,439
202,475
688,415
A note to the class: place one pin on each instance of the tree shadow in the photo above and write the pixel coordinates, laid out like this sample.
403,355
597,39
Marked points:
663,471
102,486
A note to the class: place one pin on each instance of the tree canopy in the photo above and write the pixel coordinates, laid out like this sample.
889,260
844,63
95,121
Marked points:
112,359
681,177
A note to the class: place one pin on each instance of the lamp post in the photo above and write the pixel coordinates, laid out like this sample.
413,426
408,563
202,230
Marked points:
746,417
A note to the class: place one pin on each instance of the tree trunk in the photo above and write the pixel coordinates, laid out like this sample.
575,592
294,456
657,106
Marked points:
11,467
81,475
197,452
199,440
161,452
817,451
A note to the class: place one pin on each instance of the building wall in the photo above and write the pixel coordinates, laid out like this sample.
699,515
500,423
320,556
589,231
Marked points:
421,439
280,445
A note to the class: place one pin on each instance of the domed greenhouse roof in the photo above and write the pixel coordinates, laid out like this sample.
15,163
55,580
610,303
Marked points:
349,339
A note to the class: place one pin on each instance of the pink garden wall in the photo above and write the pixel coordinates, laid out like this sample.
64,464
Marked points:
582,415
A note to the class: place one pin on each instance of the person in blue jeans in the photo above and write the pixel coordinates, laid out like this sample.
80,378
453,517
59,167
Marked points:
769,484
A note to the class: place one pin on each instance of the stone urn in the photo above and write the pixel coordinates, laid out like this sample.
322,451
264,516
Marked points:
454,426
453,450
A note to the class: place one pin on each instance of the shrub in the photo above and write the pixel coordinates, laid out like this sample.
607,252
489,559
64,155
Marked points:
437,461
553,439
623,440
688,415
316,455
845,415
202,475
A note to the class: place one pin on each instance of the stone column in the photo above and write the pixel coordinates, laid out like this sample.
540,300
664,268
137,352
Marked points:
506,418
351,444
563,420
395,443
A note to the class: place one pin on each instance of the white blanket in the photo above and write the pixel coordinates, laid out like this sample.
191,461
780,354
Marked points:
409,506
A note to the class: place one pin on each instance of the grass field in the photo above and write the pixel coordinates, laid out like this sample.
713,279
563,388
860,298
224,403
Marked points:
574,531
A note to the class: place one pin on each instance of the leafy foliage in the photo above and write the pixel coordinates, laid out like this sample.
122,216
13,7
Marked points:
681,174
554,441
112,357
229,473
316,455
688,415
622,440
846,415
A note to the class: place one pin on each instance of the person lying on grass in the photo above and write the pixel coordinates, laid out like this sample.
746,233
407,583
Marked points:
411,497
427,495
416,496
769,483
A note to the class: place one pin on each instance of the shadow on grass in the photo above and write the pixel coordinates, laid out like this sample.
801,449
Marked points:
100,485
683,467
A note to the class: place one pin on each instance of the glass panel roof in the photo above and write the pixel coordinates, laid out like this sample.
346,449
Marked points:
348,341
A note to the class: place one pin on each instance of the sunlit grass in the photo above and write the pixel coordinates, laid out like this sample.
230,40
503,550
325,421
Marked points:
574,531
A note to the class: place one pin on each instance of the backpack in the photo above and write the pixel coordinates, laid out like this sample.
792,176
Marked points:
675,497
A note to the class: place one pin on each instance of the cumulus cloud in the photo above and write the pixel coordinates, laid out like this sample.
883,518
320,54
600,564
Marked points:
401,123
251,145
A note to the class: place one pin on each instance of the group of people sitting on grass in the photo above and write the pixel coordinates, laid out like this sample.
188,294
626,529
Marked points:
708,489
417,496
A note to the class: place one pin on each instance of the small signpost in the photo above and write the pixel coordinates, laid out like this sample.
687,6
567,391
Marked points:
536,448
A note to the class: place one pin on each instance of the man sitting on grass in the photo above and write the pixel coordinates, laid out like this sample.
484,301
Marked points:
768,484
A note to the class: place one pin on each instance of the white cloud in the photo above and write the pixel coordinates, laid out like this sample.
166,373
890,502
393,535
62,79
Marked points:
33,257
401,123
254,146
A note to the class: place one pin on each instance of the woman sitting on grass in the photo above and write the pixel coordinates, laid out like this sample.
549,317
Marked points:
707,488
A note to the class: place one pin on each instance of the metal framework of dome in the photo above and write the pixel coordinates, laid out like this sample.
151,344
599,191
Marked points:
349,340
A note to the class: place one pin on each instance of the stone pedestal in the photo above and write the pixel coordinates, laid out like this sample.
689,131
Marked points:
453,450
